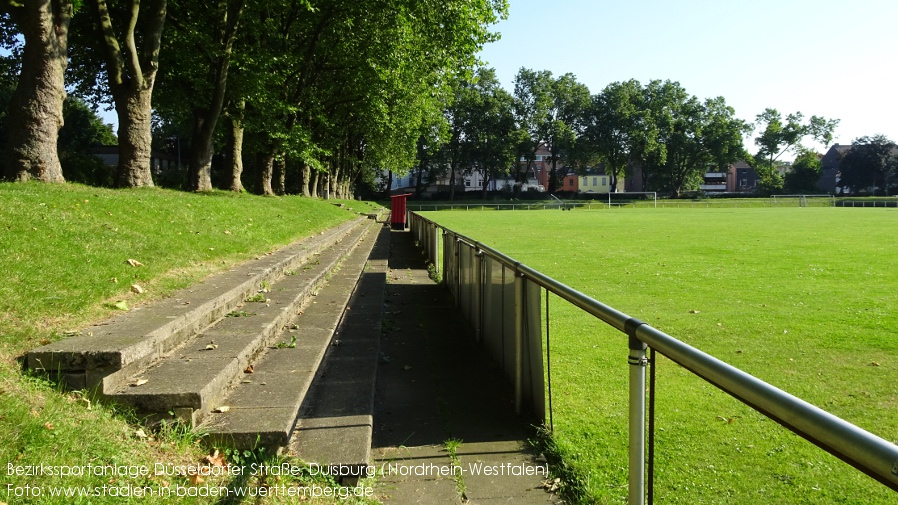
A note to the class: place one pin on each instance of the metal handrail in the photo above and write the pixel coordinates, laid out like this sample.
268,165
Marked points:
865,451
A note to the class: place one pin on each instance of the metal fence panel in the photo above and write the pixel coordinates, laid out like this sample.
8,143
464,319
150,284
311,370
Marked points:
493,309
534,384
509,348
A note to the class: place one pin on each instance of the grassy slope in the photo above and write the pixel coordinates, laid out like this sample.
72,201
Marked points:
803,298
63,252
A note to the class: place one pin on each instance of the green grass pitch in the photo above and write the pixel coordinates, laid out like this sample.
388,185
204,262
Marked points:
803,298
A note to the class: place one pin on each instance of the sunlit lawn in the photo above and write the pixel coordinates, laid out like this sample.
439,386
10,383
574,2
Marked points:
63,252
804,298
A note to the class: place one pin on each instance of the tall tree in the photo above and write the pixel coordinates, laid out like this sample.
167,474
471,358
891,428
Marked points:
687,136
564,121
778,137
871,163
35,111
805,173
492,133
612,128
533,101
198,59
128,37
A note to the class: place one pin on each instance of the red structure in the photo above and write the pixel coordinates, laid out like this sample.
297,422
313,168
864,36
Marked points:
397,211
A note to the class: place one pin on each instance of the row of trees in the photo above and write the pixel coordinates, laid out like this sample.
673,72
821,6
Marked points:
333,87
672,137
334,91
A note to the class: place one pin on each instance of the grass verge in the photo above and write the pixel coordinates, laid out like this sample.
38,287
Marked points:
63,254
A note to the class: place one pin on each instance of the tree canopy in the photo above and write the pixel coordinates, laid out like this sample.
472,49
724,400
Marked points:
871,164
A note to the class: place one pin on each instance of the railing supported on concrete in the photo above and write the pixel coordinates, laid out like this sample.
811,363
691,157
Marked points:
501,298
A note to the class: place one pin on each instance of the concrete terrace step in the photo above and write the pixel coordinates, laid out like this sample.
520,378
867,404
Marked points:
132,341
337,418
192,380
263,407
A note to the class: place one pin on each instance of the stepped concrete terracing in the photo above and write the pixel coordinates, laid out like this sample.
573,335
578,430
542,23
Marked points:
191,380
262,408
104,357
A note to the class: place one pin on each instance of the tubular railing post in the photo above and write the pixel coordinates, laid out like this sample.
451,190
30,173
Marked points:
637,362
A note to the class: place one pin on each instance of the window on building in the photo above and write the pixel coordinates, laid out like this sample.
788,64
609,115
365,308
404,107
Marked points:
604,181
595,181
468,182
570,182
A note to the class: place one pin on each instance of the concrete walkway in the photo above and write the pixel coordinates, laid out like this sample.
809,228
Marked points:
445,430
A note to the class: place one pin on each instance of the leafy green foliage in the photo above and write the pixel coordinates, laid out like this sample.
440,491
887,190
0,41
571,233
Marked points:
779,136
805,173
872,162
83,130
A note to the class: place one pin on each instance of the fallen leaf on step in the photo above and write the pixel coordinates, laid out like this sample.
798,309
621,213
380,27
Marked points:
216,459
135,288
407,367
222,409
248,369
139,382
134,263
121,305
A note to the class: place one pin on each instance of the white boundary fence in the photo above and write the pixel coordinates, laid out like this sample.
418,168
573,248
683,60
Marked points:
501,299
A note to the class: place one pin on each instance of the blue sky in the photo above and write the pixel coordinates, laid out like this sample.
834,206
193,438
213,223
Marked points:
825,58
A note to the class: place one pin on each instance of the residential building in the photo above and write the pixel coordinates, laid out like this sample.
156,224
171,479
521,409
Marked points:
829,169
595,181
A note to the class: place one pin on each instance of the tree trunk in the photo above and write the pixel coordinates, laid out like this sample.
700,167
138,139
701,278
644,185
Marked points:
334,180
135,141
552,184
266,169
280,175
132,74
306,180
35,110
452,182
201,152
202,147
316,175
235,153
419,185
486,181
